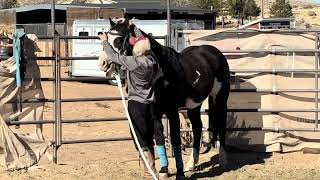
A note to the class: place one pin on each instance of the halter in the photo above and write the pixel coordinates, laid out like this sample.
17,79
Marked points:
122,49
117,34
124,36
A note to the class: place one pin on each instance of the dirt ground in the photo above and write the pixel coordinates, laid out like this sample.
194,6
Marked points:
119,160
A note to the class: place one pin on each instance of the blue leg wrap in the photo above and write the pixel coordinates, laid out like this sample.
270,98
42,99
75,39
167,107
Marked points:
162,156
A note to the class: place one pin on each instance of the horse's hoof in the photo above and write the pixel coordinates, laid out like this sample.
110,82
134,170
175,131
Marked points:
190,166
194,158
180,177
180,174
163,176
223,160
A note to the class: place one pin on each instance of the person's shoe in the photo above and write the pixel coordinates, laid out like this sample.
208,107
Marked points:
150,161
163,173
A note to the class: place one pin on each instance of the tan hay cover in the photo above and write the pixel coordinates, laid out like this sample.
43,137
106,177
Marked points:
270,141
17,150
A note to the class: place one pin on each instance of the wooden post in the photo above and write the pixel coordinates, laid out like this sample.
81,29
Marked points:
262,9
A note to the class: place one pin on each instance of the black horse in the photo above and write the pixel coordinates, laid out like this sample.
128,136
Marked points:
187,79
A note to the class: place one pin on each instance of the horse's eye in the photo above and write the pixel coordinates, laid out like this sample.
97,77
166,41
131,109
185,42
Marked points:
117,43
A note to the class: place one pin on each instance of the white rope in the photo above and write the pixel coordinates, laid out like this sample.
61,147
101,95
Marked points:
131,127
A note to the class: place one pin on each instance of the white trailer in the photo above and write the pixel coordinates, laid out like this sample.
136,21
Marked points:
90,47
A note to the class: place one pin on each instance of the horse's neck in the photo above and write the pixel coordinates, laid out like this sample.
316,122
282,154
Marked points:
162,51
168,60
158,49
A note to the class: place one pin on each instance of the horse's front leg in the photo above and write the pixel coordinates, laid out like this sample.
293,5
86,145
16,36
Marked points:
195,119
174,123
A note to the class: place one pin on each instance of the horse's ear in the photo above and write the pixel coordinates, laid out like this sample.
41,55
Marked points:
126,21
111,22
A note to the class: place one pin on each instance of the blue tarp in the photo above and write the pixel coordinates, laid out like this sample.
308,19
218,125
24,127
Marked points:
17,55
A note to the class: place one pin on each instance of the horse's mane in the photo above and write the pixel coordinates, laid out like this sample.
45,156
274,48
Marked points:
151,39
168,58
156,46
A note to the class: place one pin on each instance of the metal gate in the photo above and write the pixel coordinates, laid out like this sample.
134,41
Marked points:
57,100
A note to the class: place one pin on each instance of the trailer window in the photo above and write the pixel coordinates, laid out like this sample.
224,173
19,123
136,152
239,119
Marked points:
83,33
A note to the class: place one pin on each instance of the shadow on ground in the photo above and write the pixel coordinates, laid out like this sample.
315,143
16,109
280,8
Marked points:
236,160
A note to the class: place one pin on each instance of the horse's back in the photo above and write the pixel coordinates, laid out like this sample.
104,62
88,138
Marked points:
208,58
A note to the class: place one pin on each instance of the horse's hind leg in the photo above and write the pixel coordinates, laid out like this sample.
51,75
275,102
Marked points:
218,119
213,124
195,119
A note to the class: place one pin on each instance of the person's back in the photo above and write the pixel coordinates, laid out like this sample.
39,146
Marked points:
142,70
140,80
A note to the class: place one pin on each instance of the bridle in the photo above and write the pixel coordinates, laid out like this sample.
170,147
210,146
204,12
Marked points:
125,37
113,33
124,44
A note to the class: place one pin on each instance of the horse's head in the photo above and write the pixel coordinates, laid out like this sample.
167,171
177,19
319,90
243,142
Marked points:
118,37
119,34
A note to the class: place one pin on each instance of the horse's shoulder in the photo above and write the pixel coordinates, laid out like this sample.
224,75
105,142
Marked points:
188,49
201,49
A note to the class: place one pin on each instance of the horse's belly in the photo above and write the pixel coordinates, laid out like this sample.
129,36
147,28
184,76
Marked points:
191,104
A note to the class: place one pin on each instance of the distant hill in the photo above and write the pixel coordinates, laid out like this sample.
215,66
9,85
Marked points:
293,3
267,2
29,2
306,12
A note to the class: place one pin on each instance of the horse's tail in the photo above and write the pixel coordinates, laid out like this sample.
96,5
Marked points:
218,113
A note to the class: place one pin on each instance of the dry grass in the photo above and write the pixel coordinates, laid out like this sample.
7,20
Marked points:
6,29
302,15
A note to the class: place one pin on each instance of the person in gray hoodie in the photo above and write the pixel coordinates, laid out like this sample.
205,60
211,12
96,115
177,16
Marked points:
142,71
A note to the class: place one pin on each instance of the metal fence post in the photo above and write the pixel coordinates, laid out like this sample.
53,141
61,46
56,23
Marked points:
169,23
58,124
316,55
166,125
55,149
176,40
56,69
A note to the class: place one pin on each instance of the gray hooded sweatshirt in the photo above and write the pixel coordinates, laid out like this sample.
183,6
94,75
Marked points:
141,73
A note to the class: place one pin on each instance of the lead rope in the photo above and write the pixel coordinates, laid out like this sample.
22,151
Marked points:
131,127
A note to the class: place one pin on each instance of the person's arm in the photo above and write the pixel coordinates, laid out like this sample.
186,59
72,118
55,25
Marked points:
129,62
